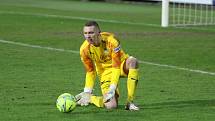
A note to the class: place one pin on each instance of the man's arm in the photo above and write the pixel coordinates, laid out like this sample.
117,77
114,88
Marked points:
89,79
90,70
116,62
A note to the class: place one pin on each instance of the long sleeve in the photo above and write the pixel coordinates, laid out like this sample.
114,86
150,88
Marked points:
89,81
116,62
90,70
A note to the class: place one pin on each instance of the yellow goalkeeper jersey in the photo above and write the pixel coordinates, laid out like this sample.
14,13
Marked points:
108,55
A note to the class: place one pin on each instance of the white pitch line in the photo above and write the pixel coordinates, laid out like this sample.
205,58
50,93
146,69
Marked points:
77,52
178,68
99,20
78,18
38,46
96,19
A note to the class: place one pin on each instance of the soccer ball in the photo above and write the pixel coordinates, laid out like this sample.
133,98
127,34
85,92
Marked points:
66,103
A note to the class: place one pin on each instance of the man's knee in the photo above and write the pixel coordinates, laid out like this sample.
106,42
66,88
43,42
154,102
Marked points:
132,62
112,104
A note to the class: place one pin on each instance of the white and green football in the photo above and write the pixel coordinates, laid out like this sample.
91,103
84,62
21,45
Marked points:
66,103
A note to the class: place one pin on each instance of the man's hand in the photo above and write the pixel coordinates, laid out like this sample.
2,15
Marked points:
109,96
83,98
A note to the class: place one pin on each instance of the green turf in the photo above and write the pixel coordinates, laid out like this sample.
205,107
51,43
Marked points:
32,78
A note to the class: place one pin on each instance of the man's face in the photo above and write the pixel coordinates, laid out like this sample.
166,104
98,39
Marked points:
91,34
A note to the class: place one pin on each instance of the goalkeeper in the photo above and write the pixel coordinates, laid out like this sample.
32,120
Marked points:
102,54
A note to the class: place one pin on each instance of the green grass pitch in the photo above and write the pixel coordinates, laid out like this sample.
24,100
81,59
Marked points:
177,69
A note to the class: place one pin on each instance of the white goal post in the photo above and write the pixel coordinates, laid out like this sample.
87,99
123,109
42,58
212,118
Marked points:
187,12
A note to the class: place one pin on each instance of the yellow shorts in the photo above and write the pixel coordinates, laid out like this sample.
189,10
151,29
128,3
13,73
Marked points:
106,77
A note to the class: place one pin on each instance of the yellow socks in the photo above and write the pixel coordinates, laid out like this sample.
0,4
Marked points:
132,83
97,101
133,78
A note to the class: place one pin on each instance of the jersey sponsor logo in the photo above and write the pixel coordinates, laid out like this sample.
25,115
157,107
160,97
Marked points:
117,49
105,58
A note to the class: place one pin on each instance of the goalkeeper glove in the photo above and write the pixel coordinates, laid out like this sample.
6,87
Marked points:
110,94
83,98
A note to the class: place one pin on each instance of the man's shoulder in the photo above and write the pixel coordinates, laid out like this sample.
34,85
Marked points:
110,38
107,34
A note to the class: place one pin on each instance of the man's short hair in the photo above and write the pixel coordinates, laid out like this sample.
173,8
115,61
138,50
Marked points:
92,23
